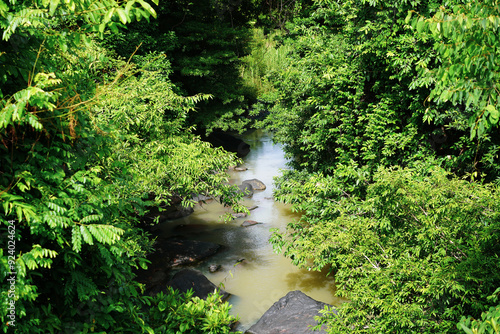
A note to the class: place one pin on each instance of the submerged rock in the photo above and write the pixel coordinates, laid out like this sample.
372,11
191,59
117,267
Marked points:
193,279
248,223
214,268
292,314
171,212
239,215
174,252
191,229
201,198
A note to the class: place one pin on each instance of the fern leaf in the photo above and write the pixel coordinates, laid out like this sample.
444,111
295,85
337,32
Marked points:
106,255
85,288
105,234
87,237
76,239
91,218
53,206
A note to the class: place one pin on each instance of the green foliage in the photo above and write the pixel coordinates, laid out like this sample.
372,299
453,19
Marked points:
29,27
488,324
466,40
32,16
166,161
354,89
203,41
414,254
267,56
88,143
183,313
412,247
331,112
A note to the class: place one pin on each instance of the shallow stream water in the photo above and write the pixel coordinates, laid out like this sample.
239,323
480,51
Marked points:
263,277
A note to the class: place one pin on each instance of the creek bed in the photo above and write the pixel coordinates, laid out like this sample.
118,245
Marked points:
254,275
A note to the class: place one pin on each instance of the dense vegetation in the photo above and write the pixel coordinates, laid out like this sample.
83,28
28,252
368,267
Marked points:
89,142
388,110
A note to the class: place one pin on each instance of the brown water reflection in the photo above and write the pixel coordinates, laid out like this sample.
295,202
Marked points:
263,277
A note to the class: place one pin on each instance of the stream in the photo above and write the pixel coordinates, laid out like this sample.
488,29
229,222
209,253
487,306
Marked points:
263,277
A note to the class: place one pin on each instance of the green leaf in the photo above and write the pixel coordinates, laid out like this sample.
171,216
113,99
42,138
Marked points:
493,114
122,15
408,17
162,306
87,237
53,6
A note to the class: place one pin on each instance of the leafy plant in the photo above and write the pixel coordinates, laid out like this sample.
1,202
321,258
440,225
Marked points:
466,37
412,255
182,313
489,322
71,178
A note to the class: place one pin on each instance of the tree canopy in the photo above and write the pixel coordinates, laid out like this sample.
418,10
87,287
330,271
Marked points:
388,110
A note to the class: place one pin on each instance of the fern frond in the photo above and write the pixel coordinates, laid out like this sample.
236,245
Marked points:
76,239
29,17
58,209
85,287
55,221
87,237
91,218
106,255
106,234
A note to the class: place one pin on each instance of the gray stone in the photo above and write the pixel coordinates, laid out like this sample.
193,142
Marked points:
292,314
214,268
193,279
248,223
201,198
256,184
246,189
239,215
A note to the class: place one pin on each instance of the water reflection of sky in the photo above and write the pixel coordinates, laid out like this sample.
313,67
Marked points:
263,277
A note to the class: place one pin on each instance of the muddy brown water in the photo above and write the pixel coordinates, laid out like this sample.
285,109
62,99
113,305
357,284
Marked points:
263,277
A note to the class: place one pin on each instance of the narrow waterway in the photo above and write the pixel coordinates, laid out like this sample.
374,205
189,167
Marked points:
263,277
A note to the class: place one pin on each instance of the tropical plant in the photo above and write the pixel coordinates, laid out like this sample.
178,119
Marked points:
72,188
466,37
414,254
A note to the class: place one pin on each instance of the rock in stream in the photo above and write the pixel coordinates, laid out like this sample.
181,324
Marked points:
292,314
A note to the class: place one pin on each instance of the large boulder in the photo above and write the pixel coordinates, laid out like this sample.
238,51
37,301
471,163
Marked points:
154,279
191,229
193,279
174,252
292,314
256,184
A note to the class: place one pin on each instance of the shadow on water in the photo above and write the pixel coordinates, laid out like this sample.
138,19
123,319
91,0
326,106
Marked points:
306,281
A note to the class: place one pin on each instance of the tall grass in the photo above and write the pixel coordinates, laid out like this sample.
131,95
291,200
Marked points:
267,55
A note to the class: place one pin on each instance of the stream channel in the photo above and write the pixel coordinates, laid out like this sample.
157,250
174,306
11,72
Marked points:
264,276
